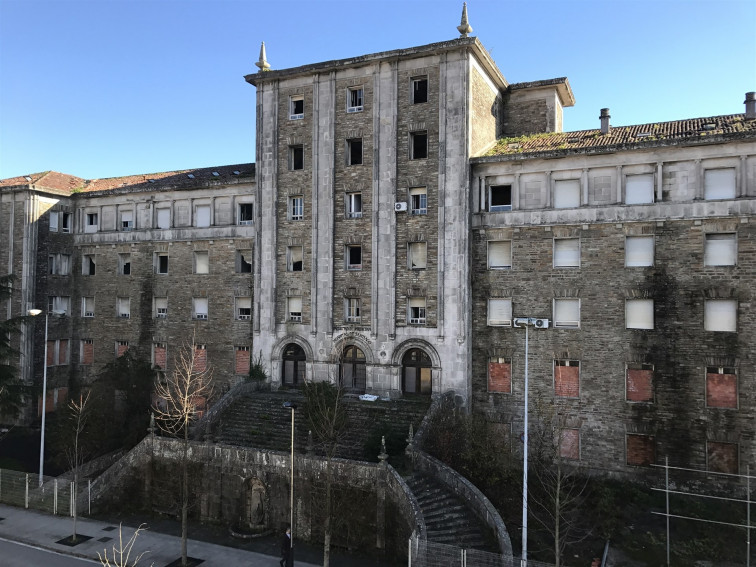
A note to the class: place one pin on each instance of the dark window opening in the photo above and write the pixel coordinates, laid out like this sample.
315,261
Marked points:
294,364
162,265
245,267
419,90
353,370
296,157
245,213
354,151
419,145
501,198
416,372
354,258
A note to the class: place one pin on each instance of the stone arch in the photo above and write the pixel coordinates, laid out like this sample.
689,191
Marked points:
346,339
402,349
280,345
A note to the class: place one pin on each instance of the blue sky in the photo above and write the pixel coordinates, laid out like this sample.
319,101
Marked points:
102,88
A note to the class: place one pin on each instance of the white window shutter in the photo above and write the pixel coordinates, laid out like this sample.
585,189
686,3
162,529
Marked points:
567,252
639,189
244,302
295,305
720,250
54,221
164,218
719,184
499,311
500,254
200,305
202,213
417,302
639,251
418,255
567,194
202,262
639,314
566,312
721,315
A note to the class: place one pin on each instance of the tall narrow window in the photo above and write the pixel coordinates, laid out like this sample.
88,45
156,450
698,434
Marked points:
500,375
417,255
354,257
88,265
639,382
352,310
202,216
639,189
161,263
569,443
124,264
566,193
88,306
244,261
720,250
639,314
721,315
566,252
241,360
296,157
418,201
567,313
416,311
199,307
353,205
499,254
418,145
419,90
123,306
354,151
245,213
244,308
295,309
296,208
639,251
159,355
500,312
121,348
719,184
294,259
202,262
163,218
53,221
86,354
161,307
296,107
355,99
499,198
567,378
65,222
59,304
90,222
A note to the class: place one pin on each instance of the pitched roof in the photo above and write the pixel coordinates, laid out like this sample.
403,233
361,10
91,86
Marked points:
48,179
693,130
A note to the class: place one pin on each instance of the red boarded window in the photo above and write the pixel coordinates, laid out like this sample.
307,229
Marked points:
569,444
242,360
721,387
121,347
50,353
200,404
159,355
200,358
640,450
63,351
722,457
567,378
639,383
87,351
500,375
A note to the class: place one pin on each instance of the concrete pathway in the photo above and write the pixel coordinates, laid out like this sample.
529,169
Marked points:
44,531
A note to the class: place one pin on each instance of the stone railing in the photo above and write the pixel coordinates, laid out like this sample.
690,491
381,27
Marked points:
207,421
405,500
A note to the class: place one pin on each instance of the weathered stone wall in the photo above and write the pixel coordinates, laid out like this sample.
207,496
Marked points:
485,109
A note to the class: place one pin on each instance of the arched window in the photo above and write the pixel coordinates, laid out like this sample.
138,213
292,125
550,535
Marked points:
352,370
293,369
416,372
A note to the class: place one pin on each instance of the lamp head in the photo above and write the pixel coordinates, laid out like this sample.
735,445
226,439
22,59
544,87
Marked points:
290,405
34,312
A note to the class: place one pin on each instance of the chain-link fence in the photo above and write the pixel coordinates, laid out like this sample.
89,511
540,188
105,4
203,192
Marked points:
54,496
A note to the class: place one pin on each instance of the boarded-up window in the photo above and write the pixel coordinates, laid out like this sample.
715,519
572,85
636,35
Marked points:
639,251
50,353
242,360
721,315
499,254
719,184
567,194
639,189
121,347
720,250
722,457
202,215
639,314
63,351
567,253
567,378
87,351
500,312
500,375
569,444
639,383
200,358
721,387
159,353
641,451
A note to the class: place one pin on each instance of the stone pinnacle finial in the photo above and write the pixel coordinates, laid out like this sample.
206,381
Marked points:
383,455
263,64
464,27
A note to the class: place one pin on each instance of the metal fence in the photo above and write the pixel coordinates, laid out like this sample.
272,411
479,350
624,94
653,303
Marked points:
423,553
54,496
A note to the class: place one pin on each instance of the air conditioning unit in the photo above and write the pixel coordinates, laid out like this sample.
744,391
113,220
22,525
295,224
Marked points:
400,207
541,323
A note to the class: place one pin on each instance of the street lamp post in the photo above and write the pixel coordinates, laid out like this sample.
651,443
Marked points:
34,313
292,406
538,324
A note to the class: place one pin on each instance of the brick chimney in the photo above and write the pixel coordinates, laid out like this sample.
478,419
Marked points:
750,102
605,127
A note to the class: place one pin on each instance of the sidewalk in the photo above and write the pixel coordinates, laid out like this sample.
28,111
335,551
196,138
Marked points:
44,531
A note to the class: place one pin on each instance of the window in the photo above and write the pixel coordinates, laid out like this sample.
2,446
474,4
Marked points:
244,308
65,224
86,351
296,107
202,262
59,305
721,315
721,387
500,312
245,211
419,89
241,360
161,262
418,145
641,451
87,306
354,99
639,251
354,151
294,259
90,222
722,457
720,250
163,218
569,443
353,205
124,264
499,254
121,347
566,252
354,257
500,375
161,307
199,308
296,208
296,157
499,198
639,189
352,310
202,216
127,220
59,264
88,265
567,378
639,382
57,352
416,311
294,309
199,365
639,314
719,184
567,313
567,194
54,221
123,307
417,255
244,261
418,201
159,355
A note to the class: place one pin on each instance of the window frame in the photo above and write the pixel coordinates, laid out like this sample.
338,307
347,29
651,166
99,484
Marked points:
156,308
712,237
413,91
642,366
240,221
123,307
572,182
241,261
636,177
579,253
197,314
84,313
123,224
88,264
124,263
296,162
722,371
638,238
563,324
488,255
638,301
422,313
414,137
496,322
411,255
82,346
158,212
293,114
158,262
418,196
290,261
359,103
350,198
295,202
352,310
349,266
498,360
351,147
195,263
290,315
499,208
706,189
708,304
238,315
91,222
568,363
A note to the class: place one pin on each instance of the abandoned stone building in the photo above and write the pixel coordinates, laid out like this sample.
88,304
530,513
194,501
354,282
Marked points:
403,208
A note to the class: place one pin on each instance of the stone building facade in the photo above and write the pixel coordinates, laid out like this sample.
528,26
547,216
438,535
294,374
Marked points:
403,209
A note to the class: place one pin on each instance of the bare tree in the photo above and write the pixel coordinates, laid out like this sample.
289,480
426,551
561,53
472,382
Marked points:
179,401
78,416
122,553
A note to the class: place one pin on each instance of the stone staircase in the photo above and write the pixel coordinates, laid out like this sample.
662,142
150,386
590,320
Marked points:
448,520
259,420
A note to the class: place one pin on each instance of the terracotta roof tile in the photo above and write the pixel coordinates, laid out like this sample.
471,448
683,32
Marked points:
46,179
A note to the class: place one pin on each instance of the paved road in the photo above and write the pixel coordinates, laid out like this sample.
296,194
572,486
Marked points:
14,554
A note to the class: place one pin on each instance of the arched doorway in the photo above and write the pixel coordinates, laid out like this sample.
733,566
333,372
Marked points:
293,368
352,370
416,372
